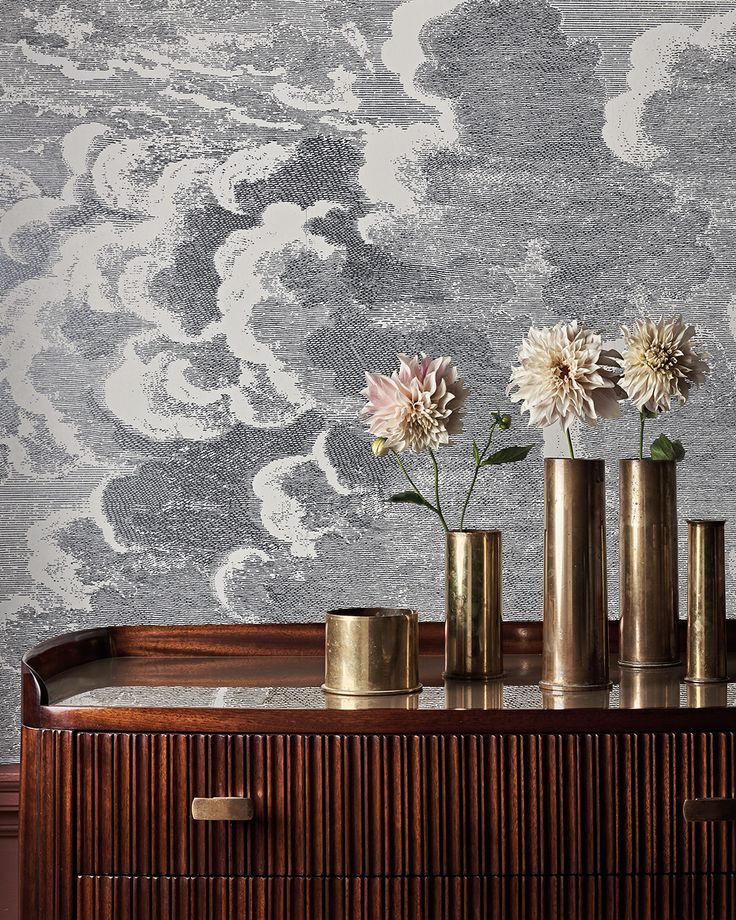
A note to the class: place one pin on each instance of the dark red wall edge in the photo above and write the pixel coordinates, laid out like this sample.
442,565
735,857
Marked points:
9,794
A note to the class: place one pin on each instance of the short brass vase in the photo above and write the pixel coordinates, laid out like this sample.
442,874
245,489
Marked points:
473,605
575,630
648,581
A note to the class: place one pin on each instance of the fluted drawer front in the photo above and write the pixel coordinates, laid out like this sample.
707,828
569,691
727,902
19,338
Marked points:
706,897
449,805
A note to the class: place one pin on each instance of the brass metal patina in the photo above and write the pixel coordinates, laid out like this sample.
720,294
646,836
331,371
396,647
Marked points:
473,596
706,602
648,564
371,650
575,632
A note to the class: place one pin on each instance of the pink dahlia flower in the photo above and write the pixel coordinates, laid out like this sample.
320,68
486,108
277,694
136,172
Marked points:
417,407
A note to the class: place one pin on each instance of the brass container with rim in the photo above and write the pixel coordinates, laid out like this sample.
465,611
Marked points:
575,629
706,602
649,598
371,651
473,601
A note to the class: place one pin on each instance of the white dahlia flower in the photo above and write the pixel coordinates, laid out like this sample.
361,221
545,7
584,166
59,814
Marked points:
660,364
564,374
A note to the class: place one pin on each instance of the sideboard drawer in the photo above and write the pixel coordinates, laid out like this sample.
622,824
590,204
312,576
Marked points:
403,805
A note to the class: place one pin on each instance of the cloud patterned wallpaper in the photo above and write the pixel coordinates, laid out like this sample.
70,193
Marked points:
215,215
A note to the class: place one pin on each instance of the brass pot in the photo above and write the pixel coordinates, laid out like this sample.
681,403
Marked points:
371,650
575,631
648,564
706,602
473,604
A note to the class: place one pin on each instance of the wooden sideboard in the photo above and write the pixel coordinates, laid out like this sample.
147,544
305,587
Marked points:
466,801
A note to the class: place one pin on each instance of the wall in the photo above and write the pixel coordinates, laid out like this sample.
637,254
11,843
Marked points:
216,215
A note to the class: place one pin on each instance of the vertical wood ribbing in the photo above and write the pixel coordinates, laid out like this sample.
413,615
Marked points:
439,898
435,805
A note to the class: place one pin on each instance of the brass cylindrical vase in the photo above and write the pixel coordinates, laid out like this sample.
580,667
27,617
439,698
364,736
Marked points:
648,636
473,604
371,650
706,602
575,631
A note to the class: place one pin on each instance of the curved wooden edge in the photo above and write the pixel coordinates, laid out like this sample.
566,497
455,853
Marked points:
387,721
60,654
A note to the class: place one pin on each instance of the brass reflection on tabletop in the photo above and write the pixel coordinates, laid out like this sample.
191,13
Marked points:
473,598
371,650
575,629
648,564
376,701
713,693
474,694
596,698
650,688
706,602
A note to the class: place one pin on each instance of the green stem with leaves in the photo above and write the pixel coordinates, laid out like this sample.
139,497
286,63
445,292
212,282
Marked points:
478,460
569,444
642,419
438,507
411,482
416,488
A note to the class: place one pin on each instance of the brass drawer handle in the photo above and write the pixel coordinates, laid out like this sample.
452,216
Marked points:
222,809
709,809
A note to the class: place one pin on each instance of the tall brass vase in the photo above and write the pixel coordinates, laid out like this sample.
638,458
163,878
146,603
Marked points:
648,564
575,631
473,605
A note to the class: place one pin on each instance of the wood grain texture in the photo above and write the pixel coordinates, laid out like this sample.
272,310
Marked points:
48,793
445,805
704,897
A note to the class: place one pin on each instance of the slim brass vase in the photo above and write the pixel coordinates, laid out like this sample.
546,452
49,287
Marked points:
648,564
575,630
706,602
473,605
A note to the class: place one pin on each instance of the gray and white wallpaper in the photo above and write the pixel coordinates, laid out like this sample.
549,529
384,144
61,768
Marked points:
215,215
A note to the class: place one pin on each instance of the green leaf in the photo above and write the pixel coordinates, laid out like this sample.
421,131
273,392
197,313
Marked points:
647,413
508,455
476,453
410,498
664,449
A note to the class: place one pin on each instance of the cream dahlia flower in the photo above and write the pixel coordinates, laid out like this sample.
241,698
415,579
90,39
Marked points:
660,364
418,406
565,375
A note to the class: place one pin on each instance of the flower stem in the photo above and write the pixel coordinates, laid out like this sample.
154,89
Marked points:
642,419
478,462
416,488
438,508
411,481
569,444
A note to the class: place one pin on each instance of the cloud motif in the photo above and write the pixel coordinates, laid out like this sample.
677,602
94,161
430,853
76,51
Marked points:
215,216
